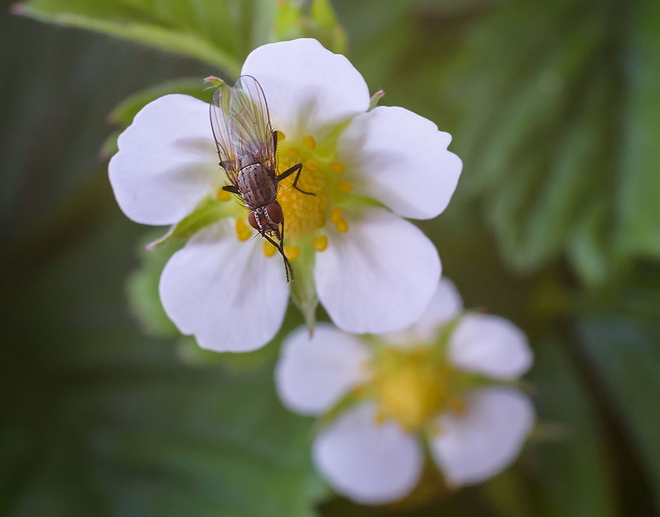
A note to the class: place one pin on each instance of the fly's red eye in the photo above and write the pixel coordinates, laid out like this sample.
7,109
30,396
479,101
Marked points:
274,213
252,219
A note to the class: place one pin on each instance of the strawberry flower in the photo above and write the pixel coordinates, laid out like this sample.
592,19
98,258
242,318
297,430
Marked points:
349,244
444,381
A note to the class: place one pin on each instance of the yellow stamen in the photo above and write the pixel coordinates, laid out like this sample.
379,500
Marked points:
309,142
344,187
411,387
268,249
242,231
292,152
320,243
222,195
337,167
291,252
339,222
280,136
303,213
311,165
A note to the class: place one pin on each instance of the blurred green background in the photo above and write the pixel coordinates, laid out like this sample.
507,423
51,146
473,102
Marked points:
555,110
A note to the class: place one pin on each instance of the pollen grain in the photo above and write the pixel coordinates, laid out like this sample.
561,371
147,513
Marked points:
309,142
337,167
338,220
222,195
292,152
291,252
268,249
344,187
320,243
242,231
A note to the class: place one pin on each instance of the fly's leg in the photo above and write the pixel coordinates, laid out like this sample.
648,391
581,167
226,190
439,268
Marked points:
297,169
278,247
231,188
274,133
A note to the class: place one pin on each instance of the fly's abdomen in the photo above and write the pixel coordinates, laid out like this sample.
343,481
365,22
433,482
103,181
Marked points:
257,185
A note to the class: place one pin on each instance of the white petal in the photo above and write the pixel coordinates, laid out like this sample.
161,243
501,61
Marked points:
167,161
400,159
379,276
224,291
445,305
487,439
312,374
490,345
369,463
309,89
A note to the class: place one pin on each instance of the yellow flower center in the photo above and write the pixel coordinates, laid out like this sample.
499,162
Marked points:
303,213
309,207
412,387
306,215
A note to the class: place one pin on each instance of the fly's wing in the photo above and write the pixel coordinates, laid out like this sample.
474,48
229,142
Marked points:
219,114
250,131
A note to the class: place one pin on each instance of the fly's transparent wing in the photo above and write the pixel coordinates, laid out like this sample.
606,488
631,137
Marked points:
250,131
219,114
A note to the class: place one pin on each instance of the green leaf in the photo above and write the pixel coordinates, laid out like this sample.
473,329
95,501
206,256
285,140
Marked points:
574,474
303,287
626,355
218,32
314,19
553,109
639,232
110,423
208,211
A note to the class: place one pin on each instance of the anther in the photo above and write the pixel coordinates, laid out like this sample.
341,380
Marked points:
268,249
280,136
344,187
320,243
339,222
292,152
337,167
242,231
291,252
311,165
222,195
309,142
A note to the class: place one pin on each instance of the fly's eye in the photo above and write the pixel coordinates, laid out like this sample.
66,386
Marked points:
274,212
252,219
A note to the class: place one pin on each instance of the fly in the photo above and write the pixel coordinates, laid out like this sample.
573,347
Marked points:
247,146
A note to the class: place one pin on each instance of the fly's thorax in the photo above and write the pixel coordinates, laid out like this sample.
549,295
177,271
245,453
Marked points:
257,185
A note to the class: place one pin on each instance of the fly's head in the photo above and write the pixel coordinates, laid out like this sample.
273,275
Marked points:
267,219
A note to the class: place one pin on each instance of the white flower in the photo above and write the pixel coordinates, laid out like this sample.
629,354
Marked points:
373,271
410,387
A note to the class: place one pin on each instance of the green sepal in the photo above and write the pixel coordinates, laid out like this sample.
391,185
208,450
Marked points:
208,211
303,287
375,99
